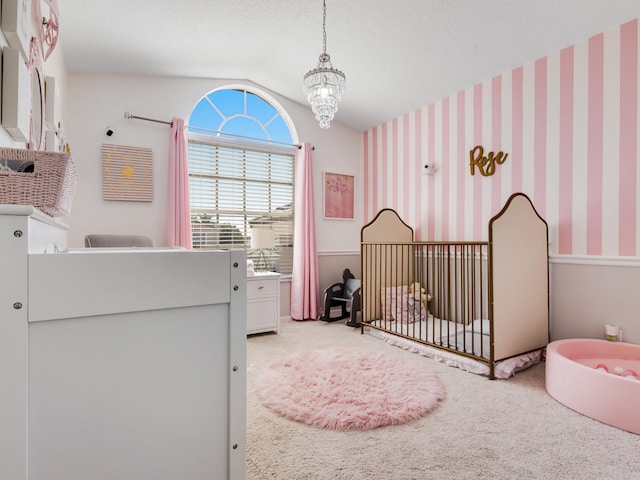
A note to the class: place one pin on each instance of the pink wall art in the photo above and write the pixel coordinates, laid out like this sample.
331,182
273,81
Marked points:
338,196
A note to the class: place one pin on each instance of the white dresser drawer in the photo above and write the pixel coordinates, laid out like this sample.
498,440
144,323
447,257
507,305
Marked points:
260,287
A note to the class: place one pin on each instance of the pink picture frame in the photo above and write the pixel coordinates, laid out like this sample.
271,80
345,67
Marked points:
339,196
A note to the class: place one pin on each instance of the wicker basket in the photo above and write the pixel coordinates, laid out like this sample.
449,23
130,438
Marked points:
50,187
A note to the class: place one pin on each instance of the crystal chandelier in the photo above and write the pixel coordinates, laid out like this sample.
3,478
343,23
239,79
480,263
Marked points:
324,85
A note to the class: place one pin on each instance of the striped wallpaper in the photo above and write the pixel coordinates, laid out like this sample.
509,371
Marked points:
568,121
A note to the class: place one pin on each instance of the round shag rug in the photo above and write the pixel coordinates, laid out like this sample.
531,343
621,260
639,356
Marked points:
348,388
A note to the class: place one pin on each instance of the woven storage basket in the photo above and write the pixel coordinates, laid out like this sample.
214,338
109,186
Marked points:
50,187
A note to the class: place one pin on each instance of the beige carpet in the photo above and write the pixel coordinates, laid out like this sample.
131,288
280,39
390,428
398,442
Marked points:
483,429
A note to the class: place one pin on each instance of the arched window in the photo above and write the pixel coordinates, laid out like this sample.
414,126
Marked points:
241,162
238,113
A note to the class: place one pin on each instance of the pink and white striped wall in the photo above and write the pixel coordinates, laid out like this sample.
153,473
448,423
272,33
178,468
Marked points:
568,121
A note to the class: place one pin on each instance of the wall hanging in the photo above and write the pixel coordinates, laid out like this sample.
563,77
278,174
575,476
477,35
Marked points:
16,24
16,94
37,115
127,173
338,193
486,165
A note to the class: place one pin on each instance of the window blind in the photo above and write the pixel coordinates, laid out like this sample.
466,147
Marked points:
234,189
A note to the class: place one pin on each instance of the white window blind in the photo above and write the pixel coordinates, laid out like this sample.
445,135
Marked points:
236,188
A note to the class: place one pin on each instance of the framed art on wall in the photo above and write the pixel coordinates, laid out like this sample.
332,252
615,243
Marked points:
127,173
51,102
16,24
16,95
338,193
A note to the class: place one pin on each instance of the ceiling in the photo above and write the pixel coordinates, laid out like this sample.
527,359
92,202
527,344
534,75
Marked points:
398,55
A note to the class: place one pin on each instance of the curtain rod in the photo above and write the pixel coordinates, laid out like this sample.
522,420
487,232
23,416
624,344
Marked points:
130,116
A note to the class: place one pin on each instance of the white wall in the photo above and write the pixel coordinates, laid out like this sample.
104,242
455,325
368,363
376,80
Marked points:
95,101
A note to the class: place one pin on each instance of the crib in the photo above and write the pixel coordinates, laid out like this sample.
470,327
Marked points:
475,305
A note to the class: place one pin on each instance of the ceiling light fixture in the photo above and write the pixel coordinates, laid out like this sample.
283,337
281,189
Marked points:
324,85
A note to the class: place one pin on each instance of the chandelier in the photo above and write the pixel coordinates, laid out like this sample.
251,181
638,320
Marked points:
324,85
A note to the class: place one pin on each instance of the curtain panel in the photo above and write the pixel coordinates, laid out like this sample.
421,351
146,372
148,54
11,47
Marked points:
179,217
304,278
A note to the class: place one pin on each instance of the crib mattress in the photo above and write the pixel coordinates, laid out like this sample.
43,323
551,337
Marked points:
432,329
471,342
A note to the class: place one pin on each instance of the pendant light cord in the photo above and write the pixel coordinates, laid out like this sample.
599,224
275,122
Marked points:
324,26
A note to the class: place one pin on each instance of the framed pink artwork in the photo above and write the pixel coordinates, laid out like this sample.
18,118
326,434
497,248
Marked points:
338,193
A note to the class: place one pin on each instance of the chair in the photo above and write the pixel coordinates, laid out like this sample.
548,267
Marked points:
346,295
107,241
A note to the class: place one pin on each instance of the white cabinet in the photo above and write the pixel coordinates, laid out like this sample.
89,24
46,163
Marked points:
23,231
263,302
125,363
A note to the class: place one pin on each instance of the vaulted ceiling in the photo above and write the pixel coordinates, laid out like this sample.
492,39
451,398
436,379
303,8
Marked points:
398,55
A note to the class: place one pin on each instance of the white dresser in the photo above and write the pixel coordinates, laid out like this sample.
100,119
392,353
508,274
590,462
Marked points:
263,302
118,363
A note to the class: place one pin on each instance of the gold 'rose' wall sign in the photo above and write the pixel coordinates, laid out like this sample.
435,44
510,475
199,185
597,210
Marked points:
486,165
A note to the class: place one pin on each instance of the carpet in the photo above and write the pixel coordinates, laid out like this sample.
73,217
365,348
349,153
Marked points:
348,388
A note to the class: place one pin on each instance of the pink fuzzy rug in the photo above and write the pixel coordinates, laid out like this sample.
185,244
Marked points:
348,389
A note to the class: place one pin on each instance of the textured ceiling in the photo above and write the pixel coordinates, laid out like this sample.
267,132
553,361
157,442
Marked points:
398,55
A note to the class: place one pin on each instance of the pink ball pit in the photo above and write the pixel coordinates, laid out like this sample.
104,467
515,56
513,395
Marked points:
572,378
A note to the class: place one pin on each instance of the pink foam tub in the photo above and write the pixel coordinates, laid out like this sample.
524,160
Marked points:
597,378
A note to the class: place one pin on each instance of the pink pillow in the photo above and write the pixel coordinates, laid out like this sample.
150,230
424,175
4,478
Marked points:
388,295
408,308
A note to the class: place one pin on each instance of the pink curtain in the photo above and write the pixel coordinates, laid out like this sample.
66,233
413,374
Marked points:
304,281
179,221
